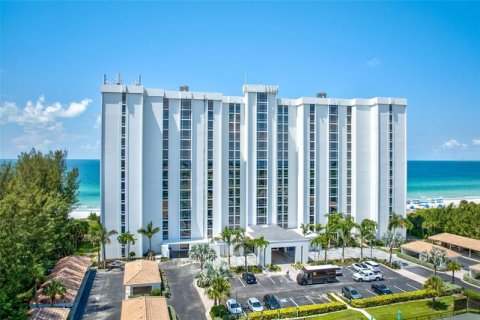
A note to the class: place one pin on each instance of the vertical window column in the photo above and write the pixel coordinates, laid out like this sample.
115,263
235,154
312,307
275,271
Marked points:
262,157
390,152
165,170
210,169
349,160
333,158
234,165
311,178
185,169
282,158
123,168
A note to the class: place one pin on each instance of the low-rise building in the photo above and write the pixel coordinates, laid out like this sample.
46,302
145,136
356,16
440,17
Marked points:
141,277
145,308
417,249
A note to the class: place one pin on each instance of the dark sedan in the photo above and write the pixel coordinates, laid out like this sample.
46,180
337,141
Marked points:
271,302
249,277
381,289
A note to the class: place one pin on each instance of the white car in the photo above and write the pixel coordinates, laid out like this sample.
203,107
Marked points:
373,266
360,267
234,307
367,276
254,305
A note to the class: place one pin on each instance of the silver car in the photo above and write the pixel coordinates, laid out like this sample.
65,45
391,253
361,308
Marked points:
254,305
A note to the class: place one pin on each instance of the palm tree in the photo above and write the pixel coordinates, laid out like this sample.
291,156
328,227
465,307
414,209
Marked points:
329,232
227,236
317,242
202,253
366,232
436,285
38,274
100,236
261,243
436,256
219,289
344,230
397,221
211,271
149,231
244,242
453,266
126,238
391,240
305,228
52,289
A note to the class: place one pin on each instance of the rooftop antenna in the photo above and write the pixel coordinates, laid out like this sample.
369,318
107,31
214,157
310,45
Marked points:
104,78
139,80
245,75
117,79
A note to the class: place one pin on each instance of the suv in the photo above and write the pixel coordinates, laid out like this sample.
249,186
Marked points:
249,277
373,266
351,293
271,302
234,307
360,267
338,271
367,276
381,289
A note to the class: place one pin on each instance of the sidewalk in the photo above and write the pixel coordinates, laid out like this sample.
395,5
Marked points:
362,311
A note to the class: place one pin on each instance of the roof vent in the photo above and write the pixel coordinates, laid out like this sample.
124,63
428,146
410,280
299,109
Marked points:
184,88
321,95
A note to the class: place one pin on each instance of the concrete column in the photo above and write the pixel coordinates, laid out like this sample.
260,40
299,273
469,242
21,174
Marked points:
298,253
268,255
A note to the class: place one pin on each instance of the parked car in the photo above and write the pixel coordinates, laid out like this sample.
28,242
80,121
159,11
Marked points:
271,302
338,271
234,307
249,277
367,276
254,304
351,293
360,267
381,288
402,264
373,266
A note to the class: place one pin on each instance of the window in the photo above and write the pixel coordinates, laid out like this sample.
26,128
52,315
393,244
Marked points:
165,170
333,158
234,166
262,155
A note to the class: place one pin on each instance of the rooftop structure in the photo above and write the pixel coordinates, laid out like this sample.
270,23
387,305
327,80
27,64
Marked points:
449,240
140,272
145,308
419,247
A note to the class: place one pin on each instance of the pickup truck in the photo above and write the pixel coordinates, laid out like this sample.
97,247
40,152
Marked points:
367,276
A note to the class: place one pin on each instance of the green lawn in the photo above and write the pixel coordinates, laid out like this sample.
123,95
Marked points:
412,309
341,315
85,248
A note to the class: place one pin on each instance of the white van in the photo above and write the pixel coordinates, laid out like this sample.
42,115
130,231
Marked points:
372,265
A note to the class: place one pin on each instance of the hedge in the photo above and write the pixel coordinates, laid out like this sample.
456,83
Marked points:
391,298
471,280
417,261
172,313
164,285
451,288
241,269
218,311
472,294
301,311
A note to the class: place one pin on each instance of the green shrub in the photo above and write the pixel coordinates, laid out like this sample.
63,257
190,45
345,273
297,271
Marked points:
472,294
172,313
156,292
165,288
303,311
415,260
471,280
273,267
391,298
241,269
297,265
451,288
163,259
218,311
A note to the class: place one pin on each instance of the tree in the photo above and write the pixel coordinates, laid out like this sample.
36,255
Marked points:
305,228
149,231
397,221
211,271
100,237
436,285
38,275
436,256
52,289
261,243
126,238
227,236
78,230
391,240
344,229
219,289
317,242
328,237
245,242
202,253
366,232
453,266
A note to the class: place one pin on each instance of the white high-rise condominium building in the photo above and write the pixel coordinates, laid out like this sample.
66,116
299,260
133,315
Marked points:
195,162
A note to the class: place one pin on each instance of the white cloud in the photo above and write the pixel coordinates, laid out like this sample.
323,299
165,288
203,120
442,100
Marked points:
88,146
453,143
373,62
41,123
476,142
98,122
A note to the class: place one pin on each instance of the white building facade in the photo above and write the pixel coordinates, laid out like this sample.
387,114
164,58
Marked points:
195,162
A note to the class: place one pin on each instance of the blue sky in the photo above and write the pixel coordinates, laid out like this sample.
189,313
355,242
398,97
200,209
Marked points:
54,55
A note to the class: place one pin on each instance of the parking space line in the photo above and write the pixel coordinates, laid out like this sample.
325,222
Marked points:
412,286
349,270
325,297
256,282
372,292
241,281
285,278
271,280
294,302
399,289
313,302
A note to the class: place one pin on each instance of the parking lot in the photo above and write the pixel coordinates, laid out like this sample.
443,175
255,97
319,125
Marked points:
291,294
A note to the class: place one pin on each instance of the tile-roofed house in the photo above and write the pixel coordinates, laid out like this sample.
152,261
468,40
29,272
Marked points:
145,308
49,314
449,239
140,277
70,271
418,247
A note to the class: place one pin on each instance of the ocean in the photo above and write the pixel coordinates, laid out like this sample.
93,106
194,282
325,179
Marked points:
426,179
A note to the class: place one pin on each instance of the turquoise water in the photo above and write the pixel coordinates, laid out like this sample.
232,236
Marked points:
429,179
